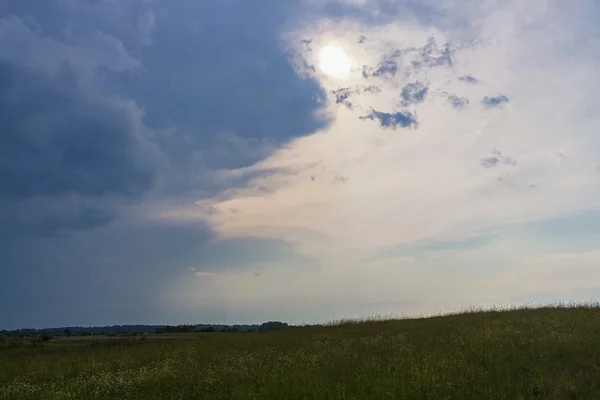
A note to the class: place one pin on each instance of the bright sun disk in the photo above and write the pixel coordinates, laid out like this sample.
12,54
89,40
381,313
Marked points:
334,62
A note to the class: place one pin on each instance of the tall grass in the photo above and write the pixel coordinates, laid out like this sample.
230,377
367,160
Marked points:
523,353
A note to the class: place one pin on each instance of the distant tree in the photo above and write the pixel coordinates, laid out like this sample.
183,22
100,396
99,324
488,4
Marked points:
272,325
67,332
179,328
45,337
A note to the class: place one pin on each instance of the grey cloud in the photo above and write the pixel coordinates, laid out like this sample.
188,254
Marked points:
386,69
61,137
307,45
227,110
133,21
468,79
146,23
56,141
384,12
392,120
414,93
80,219
417,58
111,267
22,44
103,270
342,96
458,102
494,101
497,158
489,162
371,89
231,151
44,216
433,56
218,66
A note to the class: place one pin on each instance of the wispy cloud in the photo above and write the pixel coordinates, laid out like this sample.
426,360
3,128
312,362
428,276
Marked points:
497,158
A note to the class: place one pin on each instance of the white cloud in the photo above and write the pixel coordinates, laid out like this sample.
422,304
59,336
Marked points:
356,188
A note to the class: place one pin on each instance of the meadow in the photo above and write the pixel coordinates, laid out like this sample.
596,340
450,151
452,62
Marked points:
542,353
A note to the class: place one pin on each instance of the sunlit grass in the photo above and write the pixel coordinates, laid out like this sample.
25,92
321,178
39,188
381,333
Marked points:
520,353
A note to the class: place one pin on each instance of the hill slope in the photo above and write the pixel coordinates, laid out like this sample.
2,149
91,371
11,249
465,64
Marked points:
548,353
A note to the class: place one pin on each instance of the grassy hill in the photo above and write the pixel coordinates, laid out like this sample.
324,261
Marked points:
545,353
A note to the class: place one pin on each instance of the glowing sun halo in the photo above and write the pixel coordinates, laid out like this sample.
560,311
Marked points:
334,62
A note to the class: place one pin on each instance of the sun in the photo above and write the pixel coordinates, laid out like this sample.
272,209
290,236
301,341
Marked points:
334,62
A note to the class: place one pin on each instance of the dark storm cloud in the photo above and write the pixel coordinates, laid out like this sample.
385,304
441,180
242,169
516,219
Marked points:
62,138
117,274
54,141
218,66
131,20
104,105
216,92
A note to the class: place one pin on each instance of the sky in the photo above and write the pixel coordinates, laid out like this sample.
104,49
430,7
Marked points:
232,161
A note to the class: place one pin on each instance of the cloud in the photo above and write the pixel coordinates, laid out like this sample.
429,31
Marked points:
468,79
387,69
24,45
132,21
426,187
55,141
411,59
131,265
63,141
166,125
342,96
214,68
414,93
392,120
496,159
495,101
458,102
146,142
107,108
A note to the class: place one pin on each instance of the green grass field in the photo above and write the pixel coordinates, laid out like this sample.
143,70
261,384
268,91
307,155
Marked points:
546,353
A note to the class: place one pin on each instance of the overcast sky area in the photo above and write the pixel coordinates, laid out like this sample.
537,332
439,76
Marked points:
234,161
